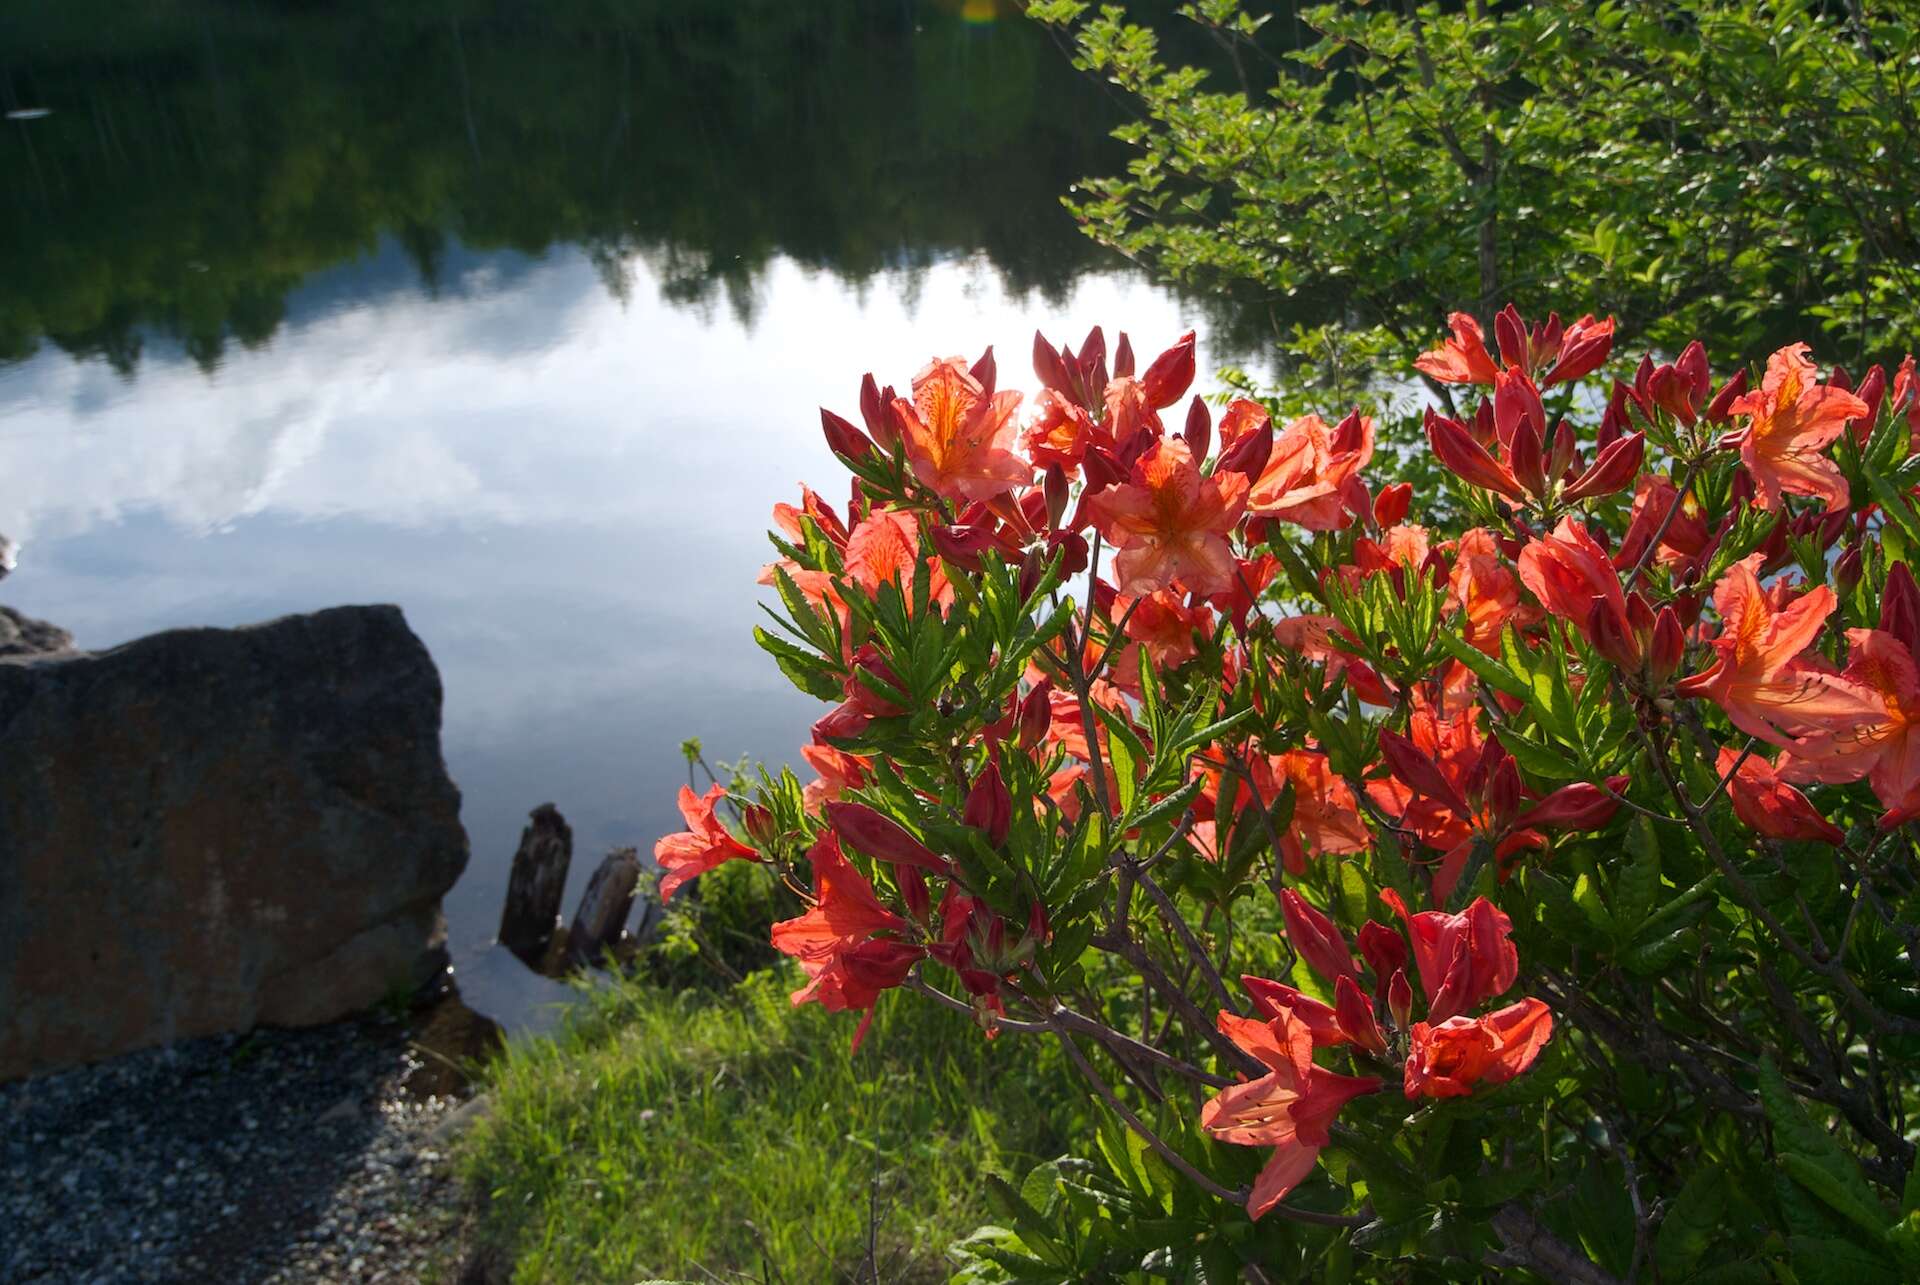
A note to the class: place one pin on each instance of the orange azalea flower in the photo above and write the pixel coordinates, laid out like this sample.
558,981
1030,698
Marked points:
1462,958
1170,523
886,547
787,518
838,941
703,845
1771,806
1128,410
1686,535
1758,675
839,771
1462,359
1449,1060
1567,571
1404,545
1165,626
1326,819
1291,1108
1484,587
1794,418
1452,786
1883,745
1062,432
1309,467
1242,419
960,434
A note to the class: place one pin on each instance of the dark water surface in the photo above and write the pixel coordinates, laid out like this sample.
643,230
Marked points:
516,315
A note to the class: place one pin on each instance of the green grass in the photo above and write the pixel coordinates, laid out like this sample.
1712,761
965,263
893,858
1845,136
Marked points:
730,1136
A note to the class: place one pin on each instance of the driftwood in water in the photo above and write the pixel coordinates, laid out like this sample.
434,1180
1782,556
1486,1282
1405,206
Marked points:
538,881
602,915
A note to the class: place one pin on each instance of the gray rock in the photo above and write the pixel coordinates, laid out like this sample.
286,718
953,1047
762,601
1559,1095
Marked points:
211,829
24,636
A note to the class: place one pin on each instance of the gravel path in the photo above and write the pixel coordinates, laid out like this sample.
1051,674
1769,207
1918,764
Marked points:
279,1156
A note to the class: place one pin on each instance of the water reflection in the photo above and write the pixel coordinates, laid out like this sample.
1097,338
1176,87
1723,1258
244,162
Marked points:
565,492
200,160
515,317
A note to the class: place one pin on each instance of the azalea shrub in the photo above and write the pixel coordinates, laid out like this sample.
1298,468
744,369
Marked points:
1532,893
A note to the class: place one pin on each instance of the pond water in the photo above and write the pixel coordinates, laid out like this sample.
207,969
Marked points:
517,316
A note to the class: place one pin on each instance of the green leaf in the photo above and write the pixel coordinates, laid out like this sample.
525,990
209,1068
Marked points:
805,670
1484,667
1170,806
1838,1194
1812,1157
1536,759
1692,1222
1125,779
1586,895
1637,885
1033,1229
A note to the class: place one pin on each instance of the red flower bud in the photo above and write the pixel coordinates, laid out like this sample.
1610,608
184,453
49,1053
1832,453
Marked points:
1610,636
1384,950
1355,1012
913,890
1039,927
1614,423
1315,938
1668,648
1467,459
876,408
1419,773
1613,471
1101,471
1900,605
1525,459
1400,999
1123,357
1846,569
1093,364
985,371
1391,505
1503,790
1249,454
1171,374
843,439
1199,430
1036,716
1872,391
759,825
1560,458
962,545
1051,370
1580,806
989,805
1056,491
1510,334
1719,409
881,837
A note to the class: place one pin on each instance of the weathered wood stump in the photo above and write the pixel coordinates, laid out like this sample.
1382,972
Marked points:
538,881
602,914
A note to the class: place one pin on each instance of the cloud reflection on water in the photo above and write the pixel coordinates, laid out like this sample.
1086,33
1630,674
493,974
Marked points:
566,492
